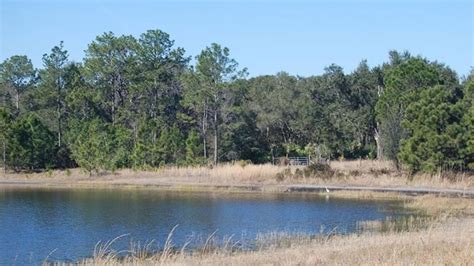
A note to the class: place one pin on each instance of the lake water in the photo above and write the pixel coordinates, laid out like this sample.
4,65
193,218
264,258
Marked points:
69,223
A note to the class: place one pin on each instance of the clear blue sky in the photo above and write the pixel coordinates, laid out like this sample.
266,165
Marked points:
300,37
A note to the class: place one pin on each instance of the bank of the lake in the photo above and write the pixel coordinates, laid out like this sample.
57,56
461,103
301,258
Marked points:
360,175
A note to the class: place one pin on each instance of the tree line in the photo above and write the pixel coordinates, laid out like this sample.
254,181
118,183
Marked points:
140,103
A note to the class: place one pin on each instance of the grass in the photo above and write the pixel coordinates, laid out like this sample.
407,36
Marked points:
358,173
225,173
445,237
439,244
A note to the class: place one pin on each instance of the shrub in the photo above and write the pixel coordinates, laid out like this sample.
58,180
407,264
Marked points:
319,170
243,163
377,172
280,177
286,173
298,173
354,173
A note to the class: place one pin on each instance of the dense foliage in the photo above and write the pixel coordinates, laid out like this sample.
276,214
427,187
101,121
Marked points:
137,102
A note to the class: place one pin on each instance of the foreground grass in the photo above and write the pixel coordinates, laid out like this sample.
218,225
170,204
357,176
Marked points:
443,245
447,238
452,245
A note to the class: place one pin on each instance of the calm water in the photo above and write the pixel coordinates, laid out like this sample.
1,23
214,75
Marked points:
33,223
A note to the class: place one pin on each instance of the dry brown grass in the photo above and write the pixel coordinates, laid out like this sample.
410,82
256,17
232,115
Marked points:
357,173
443,245
448,243
362,165
224,173
442,207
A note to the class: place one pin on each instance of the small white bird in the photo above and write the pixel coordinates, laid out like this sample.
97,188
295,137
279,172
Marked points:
327,190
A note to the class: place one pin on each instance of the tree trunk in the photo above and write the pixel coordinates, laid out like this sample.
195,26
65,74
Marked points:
378,141
135,132
114,95
204,130
216,144
115,86
273,155
17,100
59,131
4,157
58,110
204,145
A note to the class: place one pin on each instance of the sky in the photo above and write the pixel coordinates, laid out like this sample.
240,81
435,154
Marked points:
299,37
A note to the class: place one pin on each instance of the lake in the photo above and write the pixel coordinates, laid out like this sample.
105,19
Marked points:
67,223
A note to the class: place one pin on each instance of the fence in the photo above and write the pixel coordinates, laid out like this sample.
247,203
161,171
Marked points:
298,161
304,161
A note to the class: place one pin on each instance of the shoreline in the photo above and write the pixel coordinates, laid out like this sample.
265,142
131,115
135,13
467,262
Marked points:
178,185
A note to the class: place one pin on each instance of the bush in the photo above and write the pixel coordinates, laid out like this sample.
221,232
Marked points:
280,177
286,173
377,172
319,170
354,173
243,163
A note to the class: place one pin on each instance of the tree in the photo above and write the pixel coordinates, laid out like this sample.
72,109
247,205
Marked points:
468,122
31,144
109,68
156,93
333,98
215,70
52,87
338,117
146,150
277,101
364,84
195,100
433,124
405,75
100,146
241,139
82,101
171,146
5,123
193,149
17,75
158,88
